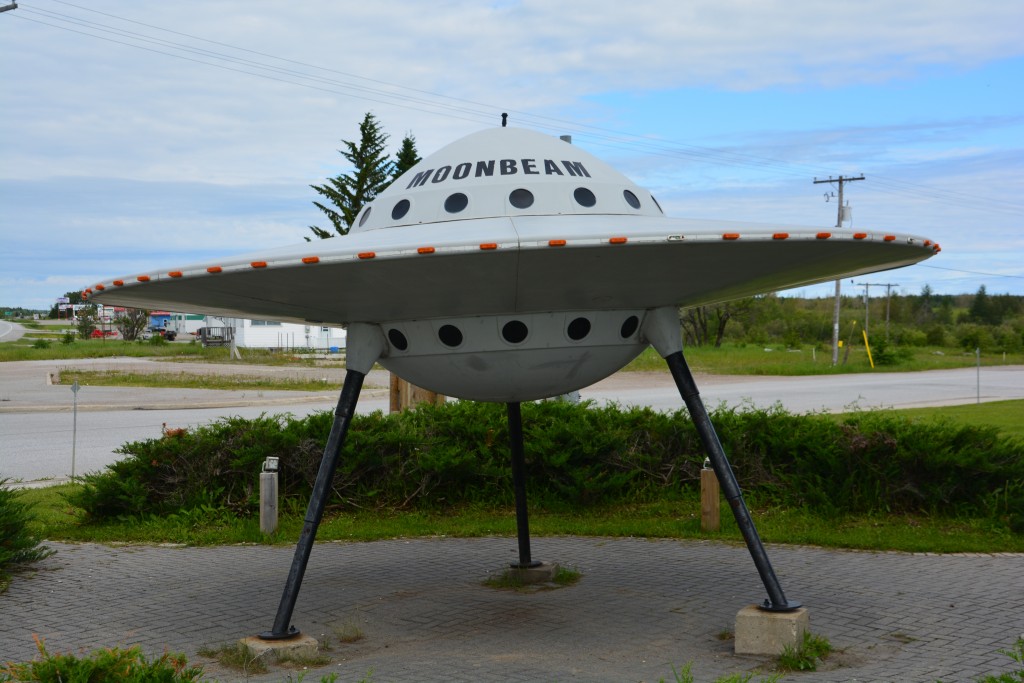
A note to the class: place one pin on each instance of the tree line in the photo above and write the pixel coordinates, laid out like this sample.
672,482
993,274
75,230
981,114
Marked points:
991,322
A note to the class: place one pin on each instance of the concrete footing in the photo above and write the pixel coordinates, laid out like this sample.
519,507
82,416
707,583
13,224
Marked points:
542,573
301,648
759,632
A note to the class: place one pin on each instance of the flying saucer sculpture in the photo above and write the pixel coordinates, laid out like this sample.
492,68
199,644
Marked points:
511,266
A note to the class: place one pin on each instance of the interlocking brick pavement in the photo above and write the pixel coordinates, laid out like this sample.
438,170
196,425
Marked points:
641,607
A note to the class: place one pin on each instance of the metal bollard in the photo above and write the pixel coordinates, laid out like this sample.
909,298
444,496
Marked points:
268,496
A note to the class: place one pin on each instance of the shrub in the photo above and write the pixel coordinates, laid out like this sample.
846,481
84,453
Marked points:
68,337
938,335
1008,339
909,336
1016,653
441,456
41,344
885,353
18,547
970,337
113,664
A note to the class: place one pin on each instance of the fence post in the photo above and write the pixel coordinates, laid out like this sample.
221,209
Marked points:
710,519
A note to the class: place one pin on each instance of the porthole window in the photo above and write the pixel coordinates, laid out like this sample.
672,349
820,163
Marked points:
366,214
584,197
657,204
398,339
578,329
521,199
514,331
631,199
456,202
450,335
401,208
629,327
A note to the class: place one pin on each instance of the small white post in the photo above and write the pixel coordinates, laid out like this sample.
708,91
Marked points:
268,496
74,426
977,354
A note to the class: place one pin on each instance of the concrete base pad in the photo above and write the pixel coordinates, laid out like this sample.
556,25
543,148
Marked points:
759,632
542,573
301,647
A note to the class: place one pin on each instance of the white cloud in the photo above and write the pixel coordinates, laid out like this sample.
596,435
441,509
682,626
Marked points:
227,156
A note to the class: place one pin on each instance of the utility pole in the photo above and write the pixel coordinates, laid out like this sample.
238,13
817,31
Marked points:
839,223
867,301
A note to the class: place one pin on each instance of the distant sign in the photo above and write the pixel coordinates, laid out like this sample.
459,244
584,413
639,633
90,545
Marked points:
63,300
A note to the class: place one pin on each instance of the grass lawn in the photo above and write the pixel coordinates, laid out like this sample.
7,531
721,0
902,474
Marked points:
732,359
169,351
1008,416
58,521
185,380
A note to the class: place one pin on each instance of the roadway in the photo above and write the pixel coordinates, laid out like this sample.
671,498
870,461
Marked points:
39,429
10,331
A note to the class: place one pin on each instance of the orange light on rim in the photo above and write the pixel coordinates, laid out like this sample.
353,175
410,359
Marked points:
488,245
175,273
889,238
556,243
617,240
731,236
823,235
859,235
118,283
100,288
425,250
927,243
88,290
310,259
258,264
143,278
214,269
367,254
780,236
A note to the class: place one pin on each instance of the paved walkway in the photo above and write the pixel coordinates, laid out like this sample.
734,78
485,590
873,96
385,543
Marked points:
641,607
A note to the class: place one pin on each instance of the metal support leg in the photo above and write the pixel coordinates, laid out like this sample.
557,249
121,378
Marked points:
317,502
515,439
776,601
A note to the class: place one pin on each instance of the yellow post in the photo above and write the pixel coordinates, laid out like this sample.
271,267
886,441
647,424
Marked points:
868,347
709,500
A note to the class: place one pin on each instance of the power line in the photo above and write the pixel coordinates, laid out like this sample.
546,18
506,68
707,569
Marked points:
867,302
383,92
971,272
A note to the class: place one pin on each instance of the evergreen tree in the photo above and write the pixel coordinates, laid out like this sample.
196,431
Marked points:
407,156
981,309
347,193
923,309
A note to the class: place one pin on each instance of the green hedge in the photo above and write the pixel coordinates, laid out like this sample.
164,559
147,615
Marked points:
18,546
434,457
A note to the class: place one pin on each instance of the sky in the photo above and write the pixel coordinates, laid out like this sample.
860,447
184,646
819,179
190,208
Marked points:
138,135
